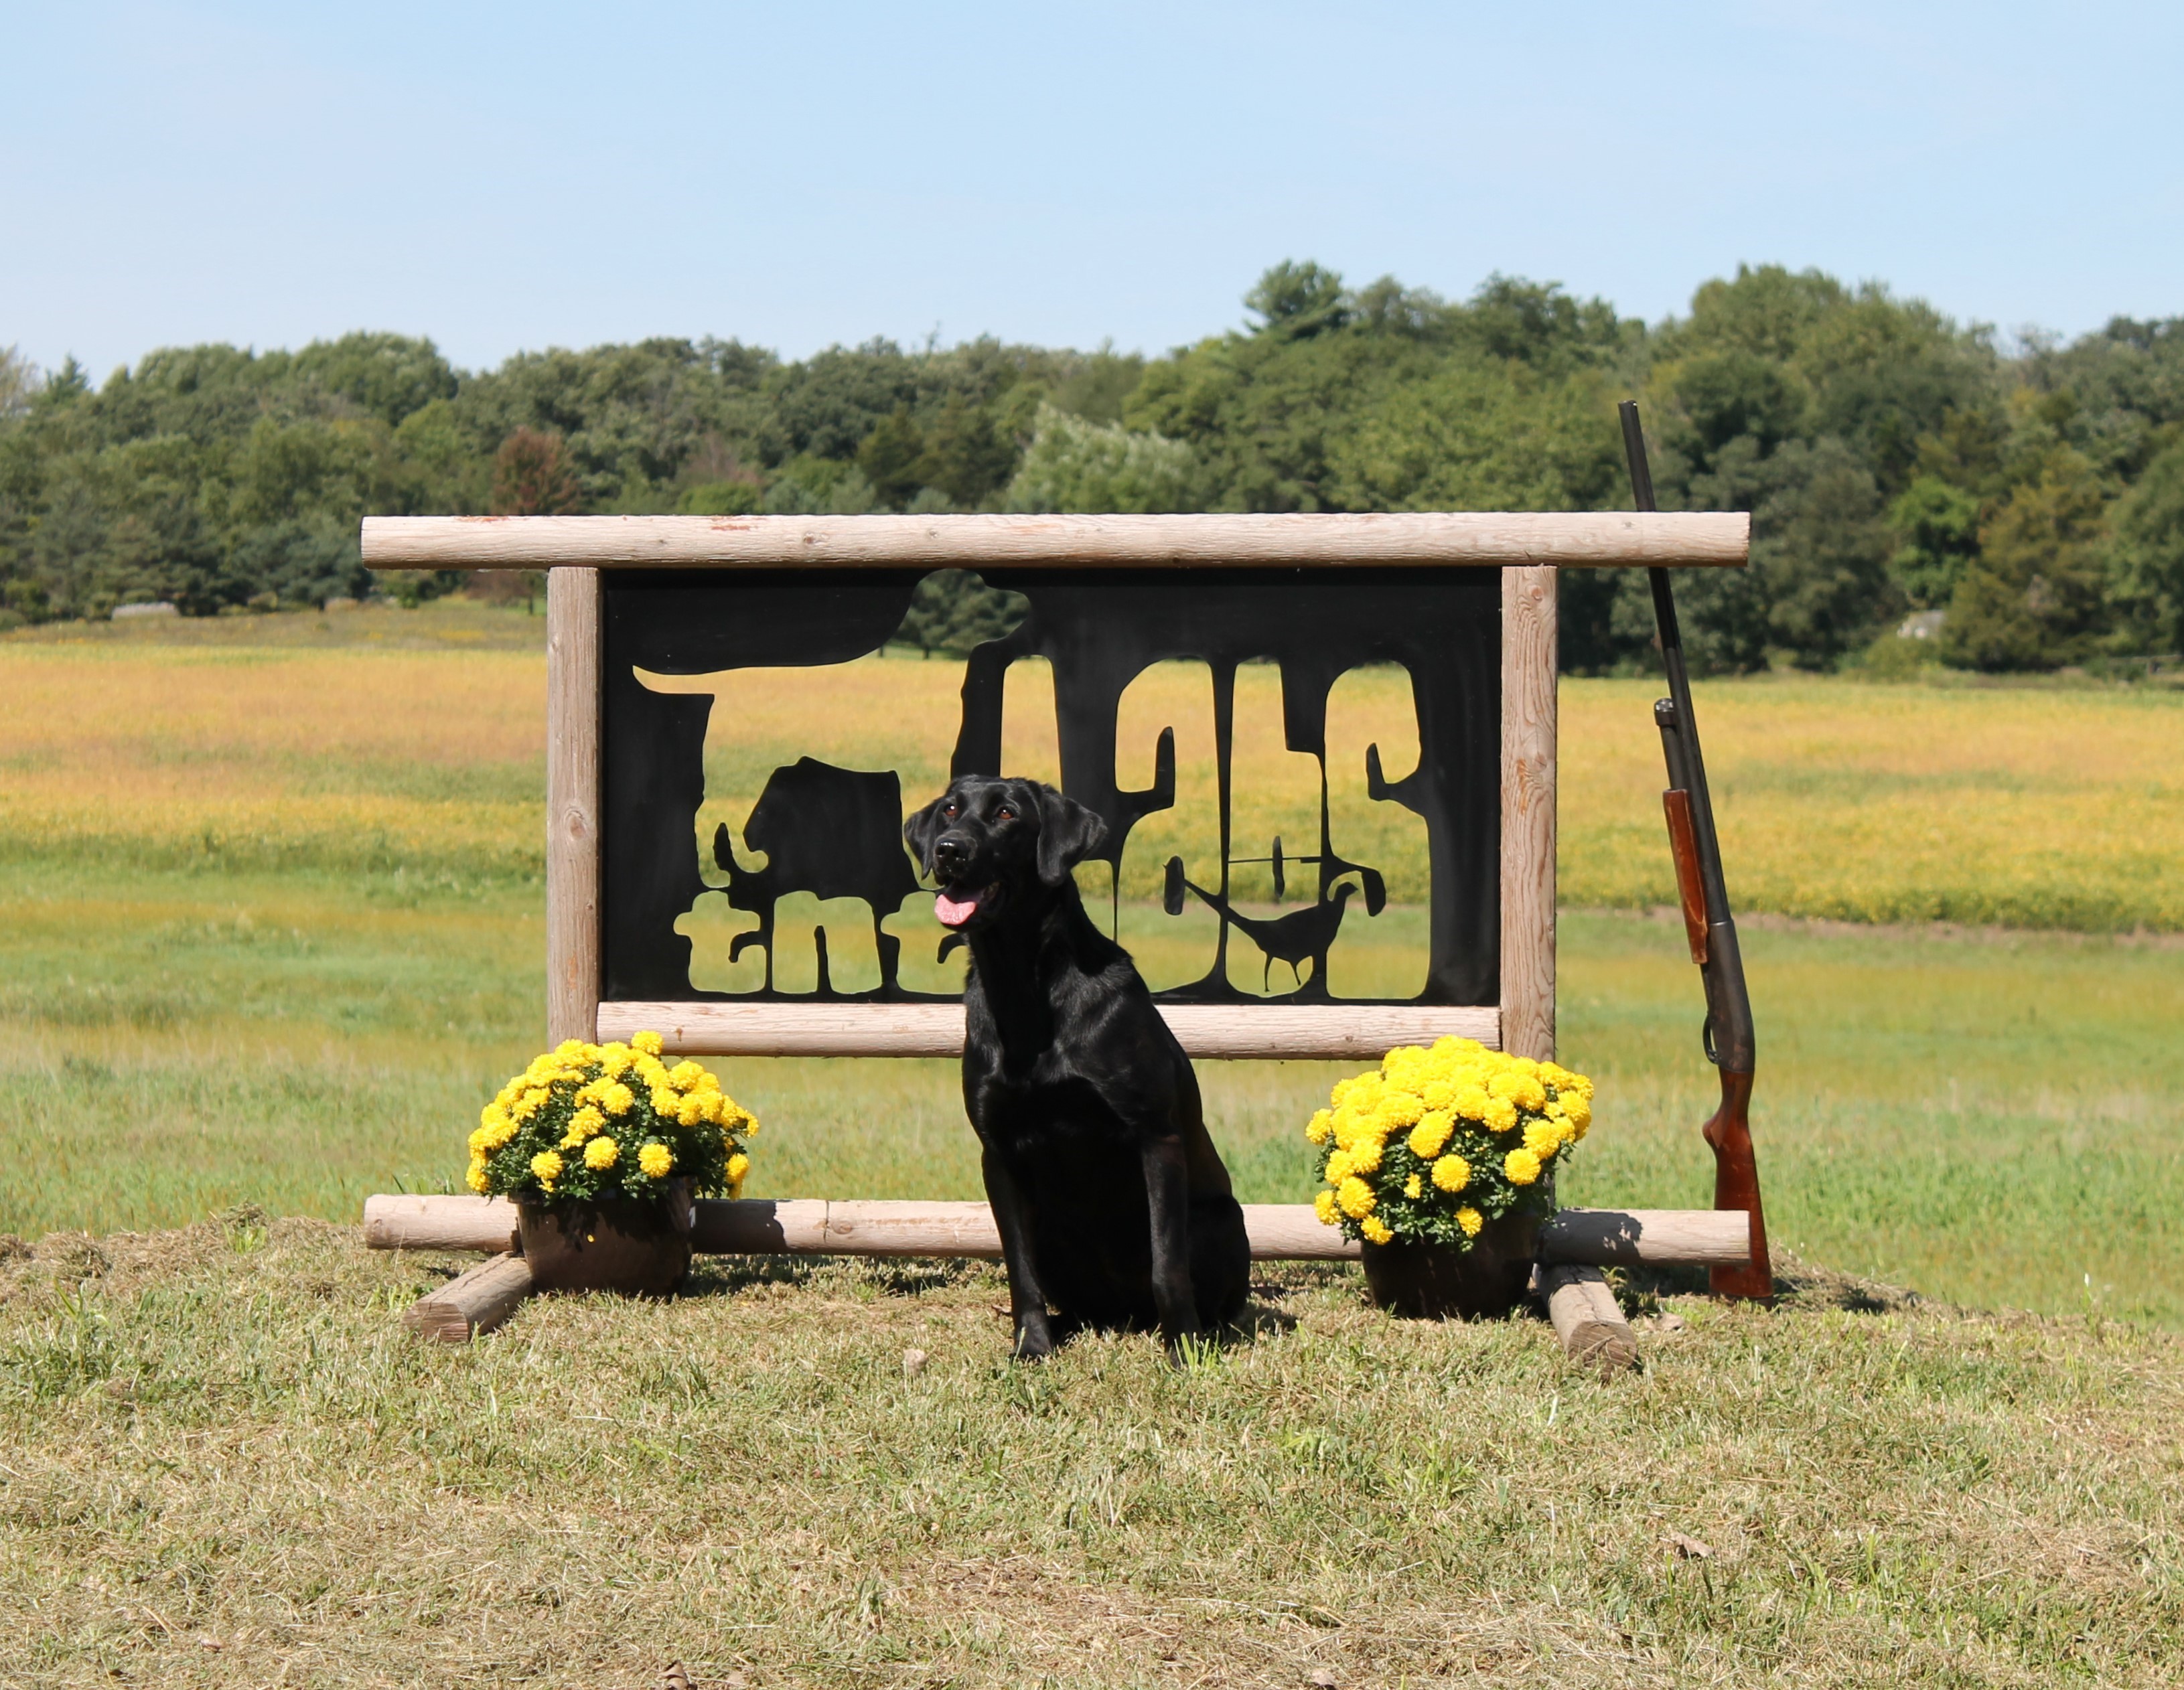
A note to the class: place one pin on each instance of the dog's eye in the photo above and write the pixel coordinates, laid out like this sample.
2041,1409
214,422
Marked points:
1005,813
949,811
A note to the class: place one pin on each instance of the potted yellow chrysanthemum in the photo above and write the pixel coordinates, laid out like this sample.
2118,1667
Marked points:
1440,1161
603,1147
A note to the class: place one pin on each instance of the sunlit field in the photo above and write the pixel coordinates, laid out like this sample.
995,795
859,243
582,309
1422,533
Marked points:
273,923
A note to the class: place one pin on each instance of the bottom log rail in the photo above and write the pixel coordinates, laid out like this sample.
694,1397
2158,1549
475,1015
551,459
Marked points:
1575,1245
1278,1232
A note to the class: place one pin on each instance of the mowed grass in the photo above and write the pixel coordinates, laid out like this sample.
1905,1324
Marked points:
226,1464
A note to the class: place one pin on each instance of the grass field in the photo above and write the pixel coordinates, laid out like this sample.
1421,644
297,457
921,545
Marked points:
270,927
272,924
225,1464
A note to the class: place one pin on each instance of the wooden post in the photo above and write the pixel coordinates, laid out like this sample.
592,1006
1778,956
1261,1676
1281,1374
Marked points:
572,804
1528,812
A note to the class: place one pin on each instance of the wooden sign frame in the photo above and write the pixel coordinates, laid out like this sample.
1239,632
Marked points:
1528,549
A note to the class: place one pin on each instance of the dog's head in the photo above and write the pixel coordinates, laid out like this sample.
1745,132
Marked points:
991,842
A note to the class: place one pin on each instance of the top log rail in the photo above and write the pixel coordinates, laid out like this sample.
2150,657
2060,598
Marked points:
1481,539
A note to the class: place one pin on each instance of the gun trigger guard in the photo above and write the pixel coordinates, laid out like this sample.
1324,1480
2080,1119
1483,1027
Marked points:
1705,1040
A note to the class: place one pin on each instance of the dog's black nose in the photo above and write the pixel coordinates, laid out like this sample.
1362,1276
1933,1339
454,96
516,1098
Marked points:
951,850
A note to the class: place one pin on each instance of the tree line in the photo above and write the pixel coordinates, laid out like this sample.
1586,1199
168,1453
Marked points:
1894,461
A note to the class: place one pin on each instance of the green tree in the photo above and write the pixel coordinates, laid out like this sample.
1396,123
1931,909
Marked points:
2034,598
532,476
1937,525
2150,554
1074,465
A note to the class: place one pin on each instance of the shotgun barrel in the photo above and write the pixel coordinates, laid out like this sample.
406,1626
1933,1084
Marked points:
1708,927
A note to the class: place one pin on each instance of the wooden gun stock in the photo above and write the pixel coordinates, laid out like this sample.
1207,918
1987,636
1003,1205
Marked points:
1737,1185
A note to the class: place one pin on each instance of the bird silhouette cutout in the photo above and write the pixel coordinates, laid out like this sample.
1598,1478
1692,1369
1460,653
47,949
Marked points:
1303,935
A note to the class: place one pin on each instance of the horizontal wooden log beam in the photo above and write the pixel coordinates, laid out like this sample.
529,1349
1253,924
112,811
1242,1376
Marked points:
1360,1032
1485,539
410,1222
1278,1232
1648,1237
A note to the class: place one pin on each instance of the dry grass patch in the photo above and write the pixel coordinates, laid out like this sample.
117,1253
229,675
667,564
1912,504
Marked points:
221,1436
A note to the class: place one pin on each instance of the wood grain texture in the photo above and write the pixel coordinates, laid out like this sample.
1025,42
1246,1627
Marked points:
1279,1231
1529,635
1485,539
1586,1318
472,1303
572,804
1625,1237
1362,1032
414,1222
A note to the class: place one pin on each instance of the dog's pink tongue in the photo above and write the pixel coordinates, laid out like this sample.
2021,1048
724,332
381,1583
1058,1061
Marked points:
953,914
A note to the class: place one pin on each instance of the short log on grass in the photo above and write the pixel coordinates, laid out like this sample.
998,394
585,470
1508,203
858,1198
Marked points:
1587,1317
1278,1232
472,1303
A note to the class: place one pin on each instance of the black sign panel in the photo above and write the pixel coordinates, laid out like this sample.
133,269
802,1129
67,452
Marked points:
829,826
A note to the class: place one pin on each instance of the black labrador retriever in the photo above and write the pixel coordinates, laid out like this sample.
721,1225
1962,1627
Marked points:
1112,1204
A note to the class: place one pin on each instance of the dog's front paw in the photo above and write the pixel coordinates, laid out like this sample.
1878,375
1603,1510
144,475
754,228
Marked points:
1034,1340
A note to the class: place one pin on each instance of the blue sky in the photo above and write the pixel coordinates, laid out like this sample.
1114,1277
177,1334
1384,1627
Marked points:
504,177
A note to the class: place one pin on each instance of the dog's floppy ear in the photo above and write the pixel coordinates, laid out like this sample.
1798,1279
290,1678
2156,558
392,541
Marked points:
1068,833
921,830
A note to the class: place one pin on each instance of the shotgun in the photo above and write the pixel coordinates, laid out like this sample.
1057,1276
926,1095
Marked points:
1708,927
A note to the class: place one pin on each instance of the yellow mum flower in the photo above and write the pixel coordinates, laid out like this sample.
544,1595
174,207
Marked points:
617,1099
1471,1101
546,1165
527,1105
1451,1173
1542,1138
1319,1127
1500,1114
1323,1207
1376,1231
1398,1110
1430,1135
656,1159
1356,1198
476,1178
1365,1156
1471,1220
1338,1168
739,1165
587,1121
685,1074
1521,1166
1440,1095
1578,1106
648,1044
1516,1087
571,1050
1413,1187
601,1152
